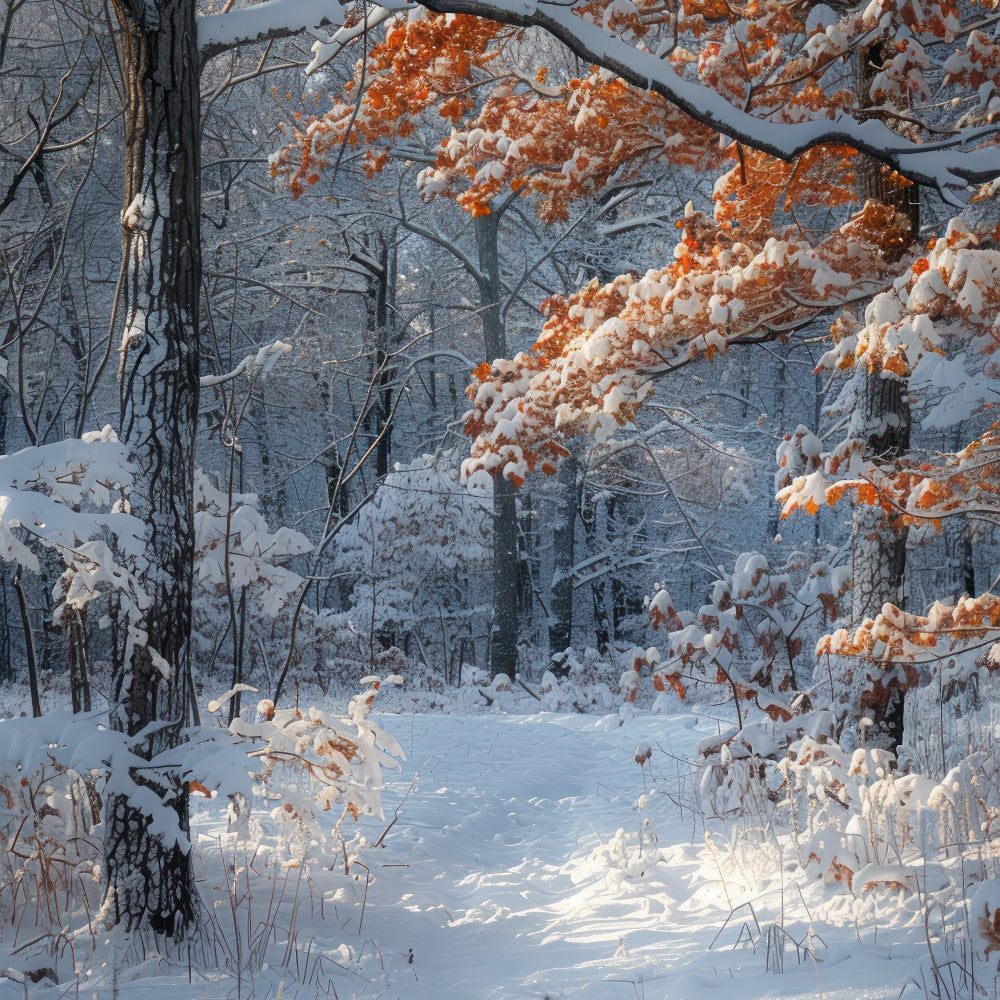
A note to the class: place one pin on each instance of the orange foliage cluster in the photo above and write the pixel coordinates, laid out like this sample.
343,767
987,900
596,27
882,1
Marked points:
591,367
423,62
746,275
753,272
896,636
969,481
758,191
977,68
466,71
562,148
556,143
949,297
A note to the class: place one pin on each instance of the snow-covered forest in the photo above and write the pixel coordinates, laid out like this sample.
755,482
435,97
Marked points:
498,499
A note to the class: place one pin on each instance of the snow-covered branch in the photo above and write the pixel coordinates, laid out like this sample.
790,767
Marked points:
252,365
947,165
942,165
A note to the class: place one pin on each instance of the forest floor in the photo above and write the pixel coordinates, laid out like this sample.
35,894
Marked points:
534,857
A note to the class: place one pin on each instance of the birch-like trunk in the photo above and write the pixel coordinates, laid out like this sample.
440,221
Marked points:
149,876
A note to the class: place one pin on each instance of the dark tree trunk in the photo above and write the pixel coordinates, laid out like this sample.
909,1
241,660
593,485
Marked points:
878,556
7,672
968,563
564,552
594,518
505,628
149,876
958,533
378,263
778,419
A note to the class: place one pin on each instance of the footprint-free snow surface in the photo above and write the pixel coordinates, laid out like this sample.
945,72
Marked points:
534,857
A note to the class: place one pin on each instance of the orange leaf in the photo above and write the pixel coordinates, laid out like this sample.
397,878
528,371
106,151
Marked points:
675,682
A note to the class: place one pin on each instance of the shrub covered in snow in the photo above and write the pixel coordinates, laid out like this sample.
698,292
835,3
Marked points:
273,777
414,558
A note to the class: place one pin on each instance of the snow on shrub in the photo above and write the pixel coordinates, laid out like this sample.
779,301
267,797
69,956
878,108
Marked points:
48,856
415,555
235,548
310,761
290,766
71,497
749,640
852,816
239,576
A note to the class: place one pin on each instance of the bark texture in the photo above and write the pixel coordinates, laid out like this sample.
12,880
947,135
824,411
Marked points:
564,557
881,419
148,864
505,624
378,263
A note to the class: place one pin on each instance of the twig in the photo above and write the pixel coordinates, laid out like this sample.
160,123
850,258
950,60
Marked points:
526,688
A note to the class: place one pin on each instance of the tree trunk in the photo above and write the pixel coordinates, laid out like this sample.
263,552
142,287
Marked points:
563,544
881,419
594,517
379,265
7,672
778,420
505,627
150,882
957,533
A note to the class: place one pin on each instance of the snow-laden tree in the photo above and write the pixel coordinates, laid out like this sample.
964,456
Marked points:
760,76
782,244
414,555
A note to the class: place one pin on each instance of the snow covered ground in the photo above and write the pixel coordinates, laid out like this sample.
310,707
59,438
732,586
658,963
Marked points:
534,857
525,878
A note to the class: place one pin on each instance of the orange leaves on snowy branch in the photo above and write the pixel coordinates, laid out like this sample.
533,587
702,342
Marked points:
896,636
977,68
592,364
661,680
910,491
562,146
949,295
421,62
968,481
552,142
753,194
947,301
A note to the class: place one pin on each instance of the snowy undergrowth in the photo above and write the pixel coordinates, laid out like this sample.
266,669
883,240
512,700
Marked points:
895,850
528,853
283,794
